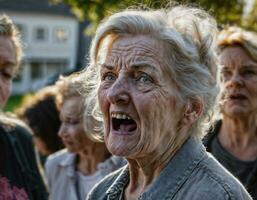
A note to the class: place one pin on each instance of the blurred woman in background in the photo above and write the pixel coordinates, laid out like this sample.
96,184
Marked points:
40,112
72,172
233,139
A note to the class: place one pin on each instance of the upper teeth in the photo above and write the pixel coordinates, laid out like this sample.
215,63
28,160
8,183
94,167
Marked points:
120,116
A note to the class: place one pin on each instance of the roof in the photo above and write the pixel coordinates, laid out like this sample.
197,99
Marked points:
36,6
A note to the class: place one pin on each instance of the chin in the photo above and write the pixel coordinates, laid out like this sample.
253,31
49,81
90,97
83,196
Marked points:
119,150
237,113
116,150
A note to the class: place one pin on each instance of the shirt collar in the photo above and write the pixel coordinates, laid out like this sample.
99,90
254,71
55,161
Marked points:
177,171
115,190
172,176
69,163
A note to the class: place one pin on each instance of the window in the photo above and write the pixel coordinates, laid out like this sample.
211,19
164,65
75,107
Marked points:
40,34
61,34
36,70
56,67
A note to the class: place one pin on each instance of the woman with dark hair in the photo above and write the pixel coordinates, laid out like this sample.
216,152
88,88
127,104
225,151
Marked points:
40,112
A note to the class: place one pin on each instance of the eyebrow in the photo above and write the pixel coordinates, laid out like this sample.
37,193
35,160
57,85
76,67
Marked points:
137,66
8,63
105,66
251,65
143,64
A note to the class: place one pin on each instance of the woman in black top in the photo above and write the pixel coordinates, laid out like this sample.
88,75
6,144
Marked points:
19,175
233,141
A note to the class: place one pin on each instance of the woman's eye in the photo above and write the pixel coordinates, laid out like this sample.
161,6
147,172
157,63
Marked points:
73,121
6,75
144,78
109,77
248,72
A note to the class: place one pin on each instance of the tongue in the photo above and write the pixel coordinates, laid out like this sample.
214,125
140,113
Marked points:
127,127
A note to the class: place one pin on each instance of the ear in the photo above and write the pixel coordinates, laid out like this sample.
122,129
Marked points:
193,110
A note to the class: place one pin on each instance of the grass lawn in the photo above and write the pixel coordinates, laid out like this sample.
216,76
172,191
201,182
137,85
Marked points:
13,102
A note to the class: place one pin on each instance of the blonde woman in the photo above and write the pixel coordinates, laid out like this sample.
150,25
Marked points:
233,139
72,172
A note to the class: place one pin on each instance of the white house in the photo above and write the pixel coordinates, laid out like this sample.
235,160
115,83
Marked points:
52,37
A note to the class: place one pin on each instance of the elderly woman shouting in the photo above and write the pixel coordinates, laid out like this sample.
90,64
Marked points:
154,72
233,140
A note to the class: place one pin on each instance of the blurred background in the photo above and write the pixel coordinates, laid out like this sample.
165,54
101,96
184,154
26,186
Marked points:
56,34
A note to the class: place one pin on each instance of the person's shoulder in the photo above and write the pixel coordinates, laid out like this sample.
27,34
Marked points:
221,181
10,123
15,128
57,157
56,163
100,189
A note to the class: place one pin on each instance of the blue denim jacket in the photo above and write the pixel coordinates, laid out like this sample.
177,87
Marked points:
192,174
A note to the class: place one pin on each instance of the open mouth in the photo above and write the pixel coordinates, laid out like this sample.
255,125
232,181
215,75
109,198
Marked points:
123,123
237,97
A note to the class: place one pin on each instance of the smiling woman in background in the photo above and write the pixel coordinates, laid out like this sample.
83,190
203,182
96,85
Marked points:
233,141
154,73
72,172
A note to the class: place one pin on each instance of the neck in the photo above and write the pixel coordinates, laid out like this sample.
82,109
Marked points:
239,137
241,132
90,157
144,170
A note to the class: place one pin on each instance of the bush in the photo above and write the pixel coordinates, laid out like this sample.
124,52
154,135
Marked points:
13,102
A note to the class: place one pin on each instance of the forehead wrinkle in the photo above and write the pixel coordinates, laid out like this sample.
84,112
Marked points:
131,56
128,53
230,63
146,46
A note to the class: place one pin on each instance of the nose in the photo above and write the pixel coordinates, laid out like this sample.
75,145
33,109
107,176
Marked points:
61,131
119,91
235,81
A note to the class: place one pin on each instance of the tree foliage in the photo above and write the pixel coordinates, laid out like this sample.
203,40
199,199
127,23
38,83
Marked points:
250,20
225,11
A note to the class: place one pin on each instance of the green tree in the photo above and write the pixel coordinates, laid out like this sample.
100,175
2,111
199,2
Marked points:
225,11
250,20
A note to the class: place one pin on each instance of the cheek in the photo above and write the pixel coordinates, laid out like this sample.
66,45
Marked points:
253,87
103,101
71,132
7,87
79,132
158,113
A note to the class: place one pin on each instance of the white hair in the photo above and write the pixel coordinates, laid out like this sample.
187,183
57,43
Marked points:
188,35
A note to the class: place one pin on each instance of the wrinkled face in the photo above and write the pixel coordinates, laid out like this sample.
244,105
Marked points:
7,66
137,97
71,130
238,82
